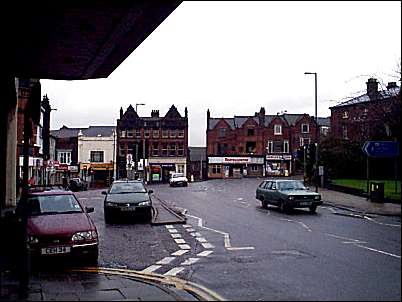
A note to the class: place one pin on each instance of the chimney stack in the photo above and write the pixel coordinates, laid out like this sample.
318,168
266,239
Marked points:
372,88
121,112
155,113
261,116
391,85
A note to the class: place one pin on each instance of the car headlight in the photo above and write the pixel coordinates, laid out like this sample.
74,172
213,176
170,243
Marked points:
32,239
81,236
145,203
110,204
318,197
291,197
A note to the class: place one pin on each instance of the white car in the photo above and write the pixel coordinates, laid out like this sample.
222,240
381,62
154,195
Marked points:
178,179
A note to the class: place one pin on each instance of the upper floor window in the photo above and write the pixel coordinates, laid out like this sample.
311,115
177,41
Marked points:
270,147
165,133
172,133
64,157
146,133
96,156
345,132
286,146
172,149
122,150
138,133
180,150
250,132
180,133
164,150
155,133
123,133
304,141
305,128
130,133
345,114
155,149
278,129
222,132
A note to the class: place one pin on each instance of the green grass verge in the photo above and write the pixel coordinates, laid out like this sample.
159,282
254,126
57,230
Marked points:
389,186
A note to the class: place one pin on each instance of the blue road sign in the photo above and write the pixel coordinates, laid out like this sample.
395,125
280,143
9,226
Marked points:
381,148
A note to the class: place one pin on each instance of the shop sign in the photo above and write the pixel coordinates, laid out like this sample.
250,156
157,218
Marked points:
73,168
236,160
167,165
279,157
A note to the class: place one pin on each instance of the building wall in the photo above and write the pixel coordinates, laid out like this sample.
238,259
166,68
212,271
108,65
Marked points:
88,144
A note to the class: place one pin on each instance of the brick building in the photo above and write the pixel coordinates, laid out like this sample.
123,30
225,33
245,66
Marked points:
259,145
374,115
151,147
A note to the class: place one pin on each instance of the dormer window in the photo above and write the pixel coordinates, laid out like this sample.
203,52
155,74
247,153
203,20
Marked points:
305,128
277,129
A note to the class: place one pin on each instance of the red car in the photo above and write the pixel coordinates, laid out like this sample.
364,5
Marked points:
58,224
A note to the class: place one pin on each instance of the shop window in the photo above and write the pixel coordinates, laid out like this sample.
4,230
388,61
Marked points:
123,133
216,169
97,156
254,168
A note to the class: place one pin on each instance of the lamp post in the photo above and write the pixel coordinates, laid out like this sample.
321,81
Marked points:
316,131
114,154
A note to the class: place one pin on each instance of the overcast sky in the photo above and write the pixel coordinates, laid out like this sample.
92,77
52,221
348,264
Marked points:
235,57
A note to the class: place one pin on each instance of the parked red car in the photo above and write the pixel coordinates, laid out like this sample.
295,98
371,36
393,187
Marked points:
58,225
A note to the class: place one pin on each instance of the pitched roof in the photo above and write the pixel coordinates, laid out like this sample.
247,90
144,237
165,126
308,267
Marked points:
91,131
65,132
382,95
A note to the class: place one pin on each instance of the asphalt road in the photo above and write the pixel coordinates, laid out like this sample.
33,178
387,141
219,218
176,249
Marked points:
244,252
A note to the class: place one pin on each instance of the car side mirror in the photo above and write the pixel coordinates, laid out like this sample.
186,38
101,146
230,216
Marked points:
104,193
150,191
89,209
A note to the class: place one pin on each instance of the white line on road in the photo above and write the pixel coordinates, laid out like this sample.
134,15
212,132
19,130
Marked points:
201,239
175,235
196,234
180,241
179,253
378,251
187,226
190,261
151,268
169,226
190,230
299,222
225,235
184,247
174,271
205,253
172,230
166,260
344,238
207,245
387,224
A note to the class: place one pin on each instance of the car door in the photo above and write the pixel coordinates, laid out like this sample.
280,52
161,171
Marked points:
274,194
266,191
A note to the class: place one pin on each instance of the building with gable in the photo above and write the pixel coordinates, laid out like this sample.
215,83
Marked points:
151,147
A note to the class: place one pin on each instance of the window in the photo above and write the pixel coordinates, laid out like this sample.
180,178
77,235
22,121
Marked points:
180,150
96,156
123,133
165,133
278,129
130,133
180,168
270,147
250,132
345,132
180,133
221,132
286,146
345,114
172,149
305,128
251,147
254,168
64,157
155,149
138,133
146,133
304,141
172,133
216,169
164,150
122,150
155,133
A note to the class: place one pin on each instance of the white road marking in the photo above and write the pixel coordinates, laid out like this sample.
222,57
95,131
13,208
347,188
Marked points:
166,260
378,251
196,234
179,253
172,230
151,268
180,241
190,261
387,224
184,246
205,253
175,235
187,226
169,226
225,235
345,238
190,230
299,222
174,271
240,248
201,239
207,245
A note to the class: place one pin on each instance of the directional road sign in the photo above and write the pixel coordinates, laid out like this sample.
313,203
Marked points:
381,148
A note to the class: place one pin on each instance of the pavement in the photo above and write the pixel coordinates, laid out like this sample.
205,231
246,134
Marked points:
102,284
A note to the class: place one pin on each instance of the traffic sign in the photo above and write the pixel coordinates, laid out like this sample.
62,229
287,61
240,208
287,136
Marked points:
381,148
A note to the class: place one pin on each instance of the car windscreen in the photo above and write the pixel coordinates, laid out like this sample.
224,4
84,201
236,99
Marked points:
129,187
52,204
177,175
291,185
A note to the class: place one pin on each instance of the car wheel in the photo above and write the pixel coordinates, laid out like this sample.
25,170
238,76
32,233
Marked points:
264,204
185,184
283,207
313,209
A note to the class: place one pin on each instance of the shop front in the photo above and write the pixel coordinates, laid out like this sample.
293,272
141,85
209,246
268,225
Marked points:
160,169
98,175
279,165
235,167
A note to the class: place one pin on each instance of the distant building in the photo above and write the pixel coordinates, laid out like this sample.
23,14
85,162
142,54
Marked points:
151,147
258,145
197,163
374,115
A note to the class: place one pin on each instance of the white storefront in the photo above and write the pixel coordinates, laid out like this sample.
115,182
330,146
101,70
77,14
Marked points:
235,167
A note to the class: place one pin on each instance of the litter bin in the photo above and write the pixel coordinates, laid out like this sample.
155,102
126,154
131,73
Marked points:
377,192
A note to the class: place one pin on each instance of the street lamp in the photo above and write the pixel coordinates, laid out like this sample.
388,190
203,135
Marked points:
316,132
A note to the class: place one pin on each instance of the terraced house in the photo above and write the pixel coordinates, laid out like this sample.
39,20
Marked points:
258,145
